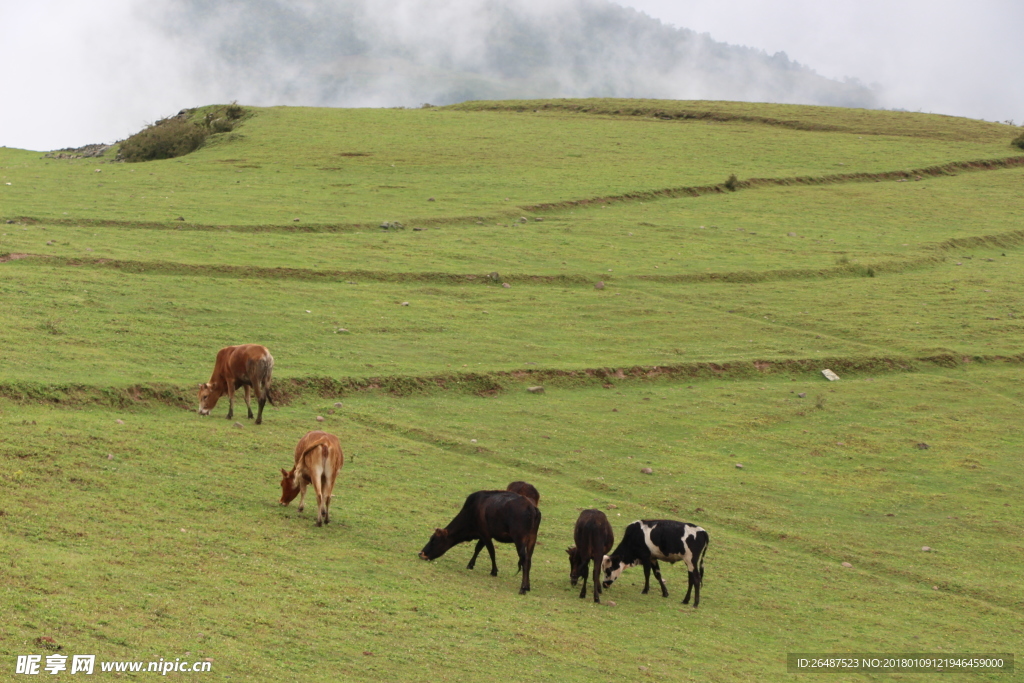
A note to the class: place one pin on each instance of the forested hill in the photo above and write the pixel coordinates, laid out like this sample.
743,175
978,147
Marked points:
407,52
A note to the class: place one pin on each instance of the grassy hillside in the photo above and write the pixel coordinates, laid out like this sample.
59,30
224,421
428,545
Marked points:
884,246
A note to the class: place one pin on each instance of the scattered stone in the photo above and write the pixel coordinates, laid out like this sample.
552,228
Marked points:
802,394
612,506
788,234
699,510
391,225
472,440
337,404
535,390
539,220
935,588
119,421
238,424
319,418
523,219
959,264
295,220
739,466
341,330
847,565
926,549
610,603
506,285
181,218
922,446
430,199
405,303
643,668
110,456
829,375
647,470
494,277
599,285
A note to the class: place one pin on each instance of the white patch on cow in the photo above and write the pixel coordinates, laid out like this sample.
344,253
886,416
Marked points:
611,574
690,531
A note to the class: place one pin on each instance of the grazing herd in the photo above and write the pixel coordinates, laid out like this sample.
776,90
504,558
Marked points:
509,516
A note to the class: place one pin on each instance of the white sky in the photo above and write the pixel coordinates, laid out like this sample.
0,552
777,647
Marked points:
74,72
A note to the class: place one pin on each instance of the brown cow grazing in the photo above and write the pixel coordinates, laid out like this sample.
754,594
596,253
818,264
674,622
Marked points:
594,538
527,490
248,365
318,458
486,516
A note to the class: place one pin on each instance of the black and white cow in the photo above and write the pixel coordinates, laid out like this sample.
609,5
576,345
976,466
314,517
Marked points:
649,540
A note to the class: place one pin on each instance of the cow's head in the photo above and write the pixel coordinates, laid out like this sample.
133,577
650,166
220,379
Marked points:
207,398
574,572
612,568
288,487
437,546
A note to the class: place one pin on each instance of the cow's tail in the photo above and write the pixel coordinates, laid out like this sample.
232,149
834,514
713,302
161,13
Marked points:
261,371
322,441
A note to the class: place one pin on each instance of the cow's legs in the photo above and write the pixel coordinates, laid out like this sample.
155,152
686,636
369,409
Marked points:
247,406
597,576
657,575
647,578
472,561
302,493
526,561
231,400
494,563
317,476
260,401
689,587
328,492
582,571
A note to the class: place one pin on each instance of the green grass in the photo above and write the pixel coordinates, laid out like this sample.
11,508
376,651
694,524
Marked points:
366,166
135,530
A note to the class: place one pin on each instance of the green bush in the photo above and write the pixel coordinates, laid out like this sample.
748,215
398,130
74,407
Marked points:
1019,141
178,135
731,183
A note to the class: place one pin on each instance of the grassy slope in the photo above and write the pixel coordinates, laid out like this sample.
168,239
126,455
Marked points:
176,545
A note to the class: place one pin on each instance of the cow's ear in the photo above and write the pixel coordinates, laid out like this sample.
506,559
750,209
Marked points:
284,472
571,549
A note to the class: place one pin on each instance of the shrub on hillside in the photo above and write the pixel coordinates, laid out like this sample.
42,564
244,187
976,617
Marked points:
178,135
1019,141
165,139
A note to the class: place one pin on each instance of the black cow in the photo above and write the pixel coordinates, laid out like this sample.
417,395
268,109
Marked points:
487,516
524,489
647,541
594,537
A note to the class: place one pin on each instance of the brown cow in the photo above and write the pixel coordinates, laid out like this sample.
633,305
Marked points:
528,491
248,365
318,458
594,538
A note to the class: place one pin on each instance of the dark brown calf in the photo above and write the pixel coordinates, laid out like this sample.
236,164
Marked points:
526,490
249,366
594,538
487,516
318,458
